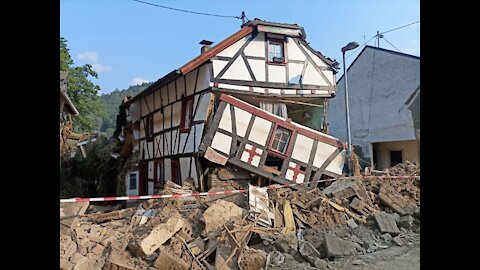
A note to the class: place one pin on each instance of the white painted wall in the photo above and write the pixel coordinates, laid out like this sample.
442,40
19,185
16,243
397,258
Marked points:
377,110
131,192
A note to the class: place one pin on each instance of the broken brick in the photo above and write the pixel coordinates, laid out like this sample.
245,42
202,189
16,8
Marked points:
386,223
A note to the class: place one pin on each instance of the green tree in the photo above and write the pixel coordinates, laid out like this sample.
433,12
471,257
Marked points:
82,91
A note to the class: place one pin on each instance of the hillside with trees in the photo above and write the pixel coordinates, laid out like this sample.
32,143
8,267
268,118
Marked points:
110,103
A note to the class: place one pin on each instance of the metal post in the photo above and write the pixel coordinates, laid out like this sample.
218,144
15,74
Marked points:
347,116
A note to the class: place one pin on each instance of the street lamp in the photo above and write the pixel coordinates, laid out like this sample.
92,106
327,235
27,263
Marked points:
350,46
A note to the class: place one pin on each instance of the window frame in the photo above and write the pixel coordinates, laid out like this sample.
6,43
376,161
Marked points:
149,127
276,41
288,147
185,101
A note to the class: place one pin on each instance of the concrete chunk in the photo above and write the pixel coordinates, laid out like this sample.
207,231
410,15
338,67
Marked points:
392,199
161,233
337,247
219,213
405,222
352,224
386,223
168,260
397,240
341,189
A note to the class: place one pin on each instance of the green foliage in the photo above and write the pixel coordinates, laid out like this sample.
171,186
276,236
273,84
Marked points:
112,101
82,91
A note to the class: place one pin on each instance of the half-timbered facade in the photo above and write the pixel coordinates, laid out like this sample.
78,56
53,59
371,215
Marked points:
237,103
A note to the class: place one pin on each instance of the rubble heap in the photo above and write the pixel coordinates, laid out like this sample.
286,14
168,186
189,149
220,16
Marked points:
275,229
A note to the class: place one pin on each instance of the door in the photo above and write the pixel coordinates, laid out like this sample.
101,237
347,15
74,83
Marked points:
396,157
142,179
176,172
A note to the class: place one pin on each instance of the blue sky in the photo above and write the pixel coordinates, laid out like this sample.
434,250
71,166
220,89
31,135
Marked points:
129,42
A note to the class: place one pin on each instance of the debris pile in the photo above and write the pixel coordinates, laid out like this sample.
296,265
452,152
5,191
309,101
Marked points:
264,229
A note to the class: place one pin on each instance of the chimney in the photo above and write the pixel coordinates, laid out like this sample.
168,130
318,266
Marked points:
206,45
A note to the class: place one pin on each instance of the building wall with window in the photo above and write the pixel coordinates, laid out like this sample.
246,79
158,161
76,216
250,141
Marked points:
380,81
170,125
263,63
386,152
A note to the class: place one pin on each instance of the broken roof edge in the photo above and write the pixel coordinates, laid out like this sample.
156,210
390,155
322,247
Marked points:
204,57
73,110
192,64
174,74
258,21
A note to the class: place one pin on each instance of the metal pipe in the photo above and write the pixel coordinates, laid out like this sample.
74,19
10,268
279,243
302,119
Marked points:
347,117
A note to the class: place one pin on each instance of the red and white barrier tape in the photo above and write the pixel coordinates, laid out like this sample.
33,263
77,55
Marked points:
225,192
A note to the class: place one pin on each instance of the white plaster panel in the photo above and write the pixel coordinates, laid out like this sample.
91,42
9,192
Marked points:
164,95
274,91
294,53
258,69
175,142
323,152
302,148
181,85
203,77
315,58
276,73
237,71
256,47
201,114
234,87
157,121
198,137
167,166
150,149
242,118
222,143
157,99
191,77
168,145
193,172
260,129
142,128
232,49
226,120
336,166
289,175
184,168
177,113
183,137
218,65
312,76
172,94
167,116
294,72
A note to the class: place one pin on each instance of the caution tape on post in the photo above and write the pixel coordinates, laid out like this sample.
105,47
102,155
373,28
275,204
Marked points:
225,192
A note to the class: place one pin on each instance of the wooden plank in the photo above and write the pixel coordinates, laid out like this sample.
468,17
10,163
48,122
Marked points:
276,85
248,67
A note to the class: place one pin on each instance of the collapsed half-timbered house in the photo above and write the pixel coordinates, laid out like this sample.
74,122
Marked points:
256,102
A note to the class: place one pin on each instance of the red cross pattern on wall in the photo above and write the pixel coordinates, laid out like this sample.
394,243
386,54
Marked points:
294,173
251,155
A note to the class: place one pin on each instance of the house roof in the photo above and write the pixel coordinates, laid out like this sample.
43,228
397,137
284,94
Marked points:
378,49
246,29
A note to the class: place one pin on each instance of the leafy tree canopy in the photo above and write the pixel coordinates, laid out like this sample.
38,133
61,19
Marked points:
82,91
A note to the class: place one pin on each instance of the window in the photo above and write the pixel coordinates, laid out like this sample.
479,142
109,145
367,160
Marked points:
149,126
396,157
280,140
275,51
133,181
159,173
187,114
